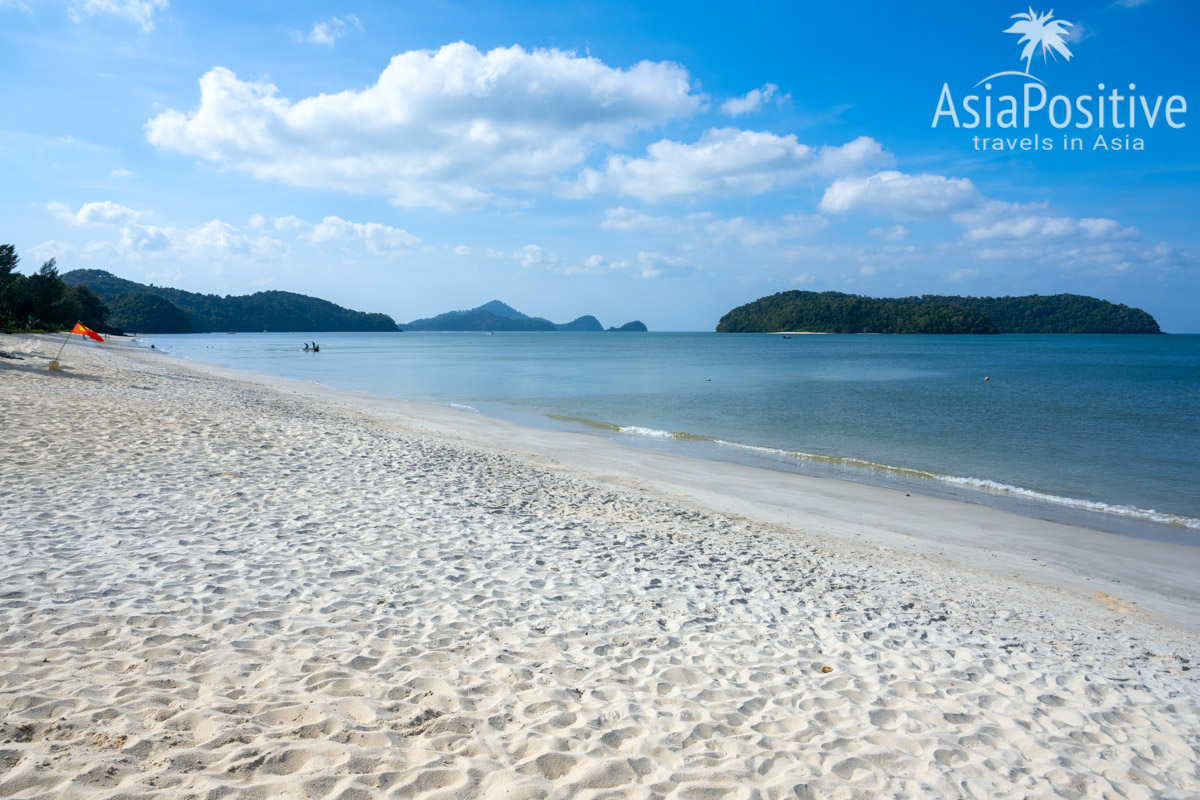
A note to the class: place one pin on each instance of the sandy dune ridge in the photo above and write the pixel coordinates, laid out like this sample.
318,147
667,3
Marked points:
212,588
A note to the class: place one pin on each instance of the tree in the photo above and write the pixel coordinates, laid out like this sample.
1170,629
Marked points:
8,267
92,309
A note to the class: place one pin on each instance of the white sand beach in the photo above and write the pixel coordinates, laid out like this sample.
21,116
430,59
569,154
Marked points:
217,585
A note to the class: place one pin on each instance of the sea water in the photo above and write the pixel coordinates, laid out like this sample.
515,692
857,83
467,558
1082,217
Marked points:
1099,431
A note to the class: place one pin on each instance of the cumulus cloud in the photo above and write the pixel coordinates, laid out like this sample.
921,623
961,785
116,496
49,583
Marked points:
596,265
727,161
627,219
51,249
444,128
327,32
290,223
899,195
751,233
120,173
139,12
462,250
99,213
752,101
214,240
377,237
533,256
1047,227
657,265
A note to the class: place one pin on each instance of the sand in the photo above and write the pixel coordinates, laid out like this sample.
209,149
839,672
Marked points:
221,586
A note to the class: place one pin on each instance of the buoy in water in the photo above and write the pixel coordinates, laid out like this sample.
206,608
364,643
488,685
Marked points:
986,378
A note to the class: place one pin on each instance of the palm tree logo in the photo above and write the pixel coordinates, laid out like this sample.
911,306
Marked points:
1037,30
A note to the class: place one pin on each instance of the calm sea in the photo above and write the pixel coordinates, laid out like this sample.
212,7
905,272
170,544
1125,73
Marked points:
1099,431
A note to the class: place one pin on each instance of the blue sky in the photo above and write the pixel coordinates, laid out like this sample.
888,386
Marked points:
660,162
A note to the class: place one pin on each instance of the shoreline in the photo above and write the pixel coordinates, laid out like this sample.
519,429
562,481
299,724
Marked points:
252,585
1094,510
1158,576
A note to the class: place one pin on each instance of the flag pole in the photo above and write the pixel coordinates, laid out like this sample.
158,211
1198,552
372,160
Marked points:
54,363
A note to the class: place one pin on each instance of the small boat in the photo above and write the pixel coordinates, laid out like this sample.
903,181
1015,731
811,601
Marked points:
787,337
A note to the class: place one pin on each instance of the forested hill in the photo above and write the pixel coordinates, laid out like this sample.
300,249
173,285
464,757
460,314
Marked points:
497,316
1055,313
140,308
835,312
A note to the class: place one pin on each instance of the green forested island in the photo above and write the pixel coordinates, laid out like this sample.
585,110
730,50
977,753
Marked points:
497,316
836,312
155,309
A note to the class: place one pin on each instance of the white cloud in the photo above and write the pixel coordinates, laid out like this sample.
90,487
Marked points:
892,234
51,249
215,240
657,265
958,276
727,161
596,265
146,238
120,173
754,232
290,223
998,220
377,237
1046,227
139,12
803,279
329,31
899,195
101,250
257,221
626,219
462,250
99,213
443,128
1079,32
533,256
752,101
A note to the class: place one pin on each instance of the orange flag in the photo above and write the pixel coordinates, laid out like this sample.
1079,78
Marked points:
84,330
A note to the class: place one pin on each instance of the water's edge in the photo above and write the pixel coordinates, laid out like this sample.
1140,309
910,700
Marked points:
1121,520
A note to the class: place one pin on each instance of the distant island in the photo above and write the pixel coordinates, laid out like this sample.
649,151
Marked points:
146,308
497,316
835,312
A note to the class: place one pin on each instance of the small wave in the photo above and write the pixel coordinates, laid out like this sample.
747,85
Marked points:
980,485
995,487
637,430
472,409
973,484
